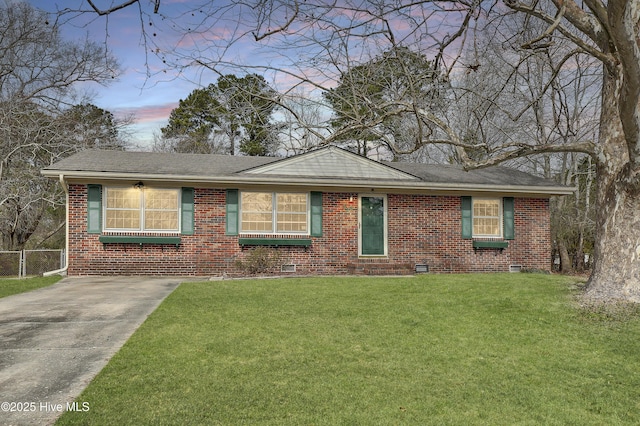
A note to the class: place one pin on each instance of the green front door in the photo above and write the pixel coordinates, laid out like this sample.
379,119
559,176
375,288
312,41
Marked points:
372,226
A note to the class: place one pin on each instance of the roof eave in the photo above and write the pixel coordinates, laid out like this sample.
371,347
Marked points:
333,183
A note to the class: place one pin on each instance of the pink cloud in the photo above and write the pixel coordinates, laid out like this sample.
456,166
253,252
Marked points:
148,113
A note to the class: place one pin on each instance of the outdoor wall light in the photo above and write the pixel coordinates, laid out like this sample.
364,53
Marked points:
138,185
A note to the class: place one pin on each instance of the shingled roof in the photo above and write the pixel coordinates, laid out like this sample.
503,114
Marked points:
328,167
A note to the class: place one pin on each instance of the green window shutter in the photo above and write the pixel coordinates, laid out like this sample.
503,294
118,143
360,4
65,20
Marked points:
94,209
316,214
232,212
187,225
467,221
508,218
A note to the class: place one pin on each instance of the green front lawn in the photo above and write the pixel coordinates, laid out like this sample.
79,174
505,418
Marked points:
10,286
433,349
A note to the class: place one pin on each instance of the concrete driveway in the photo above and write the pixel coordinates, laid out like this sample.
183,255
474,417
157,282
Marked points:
53,341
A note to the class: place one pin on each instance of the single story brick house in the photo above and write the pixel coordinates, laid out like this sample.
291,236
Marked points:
327,211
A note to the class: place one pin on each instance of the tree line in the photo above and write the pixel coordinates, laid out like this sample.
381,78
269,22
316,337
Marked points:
43,118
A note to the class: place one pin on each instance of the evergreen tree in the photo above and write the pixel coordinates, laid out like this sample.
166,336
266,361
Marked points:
235,112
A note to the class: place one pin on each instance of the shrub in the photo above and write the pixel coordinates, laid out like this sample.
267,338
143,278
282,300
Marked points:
260,260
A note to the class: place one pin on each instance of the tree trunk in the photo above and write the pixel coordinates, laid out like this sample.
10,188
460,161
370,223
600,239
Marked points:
579,262
616,268
566,266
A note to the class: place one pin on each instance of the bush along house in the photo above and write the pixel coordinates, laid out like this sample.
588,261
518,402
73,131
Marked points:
327,211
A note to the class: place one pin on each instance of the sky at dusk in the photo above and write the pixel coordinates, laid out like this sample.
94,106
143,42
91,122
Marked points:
149,98
149,89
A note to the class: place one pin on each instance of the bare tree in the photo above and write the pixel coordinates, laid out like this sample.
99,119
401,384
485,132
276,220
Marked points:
303,121
317,40
504,97
573,217
38,72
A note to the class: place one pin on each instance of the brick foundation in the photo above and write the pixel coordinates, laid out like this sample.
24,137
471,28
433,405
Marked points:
422,229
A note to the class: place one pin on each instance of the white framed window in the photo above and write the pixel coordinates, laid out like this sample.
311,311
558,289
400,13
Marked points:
274,213
487,217
141,209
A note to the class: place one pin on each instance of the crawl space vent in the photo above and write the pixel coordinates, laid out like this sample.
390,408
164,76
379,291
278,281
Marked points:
422,268
288,268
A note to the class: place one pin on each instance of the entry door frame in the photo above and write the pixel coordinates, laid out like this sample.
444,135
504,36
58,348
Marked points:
385,224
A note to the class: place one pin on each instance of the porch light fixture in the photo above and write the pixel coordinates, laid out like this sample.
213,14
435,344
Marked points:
138,185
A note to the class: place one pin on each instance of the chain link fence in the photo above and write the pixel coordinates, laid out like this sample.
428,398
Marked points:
20,264
10,264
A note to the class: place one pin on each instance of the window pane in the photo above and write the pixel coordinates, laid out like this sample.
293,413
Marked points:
257,212
257,201
292,203
486,217
122,210
165,199
486,226
123,219
123,198
260,222
292,212
292,222
125,209
161,209
161,220
258,215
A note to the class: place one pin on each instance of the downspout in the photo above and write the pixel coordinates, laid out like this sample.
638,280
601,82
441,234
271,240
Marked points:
63,271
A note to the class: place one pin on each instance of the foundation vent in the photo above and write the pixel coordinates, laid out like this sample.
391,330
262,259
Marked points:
288,268
421,268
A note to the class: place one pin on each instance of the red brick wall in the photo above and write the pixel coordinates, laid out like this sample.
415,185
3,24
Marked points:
421,229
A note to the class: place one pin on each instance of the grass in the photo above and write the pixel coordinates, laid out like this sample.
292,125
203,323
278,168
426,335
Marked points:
499,349
11,286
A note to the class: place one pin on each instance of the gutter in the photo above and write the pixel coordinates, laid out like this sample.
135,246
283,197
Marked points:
63,271
383,185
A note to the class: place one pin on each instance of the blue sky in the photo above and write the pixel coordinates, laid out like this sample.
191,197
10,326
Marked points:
150,89
149,98
147,88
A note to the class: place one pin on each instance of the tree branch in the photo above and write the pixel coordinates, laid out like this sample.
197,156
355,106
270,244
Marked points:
117,7
586,147
585,23
531,43
581,24
284,27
